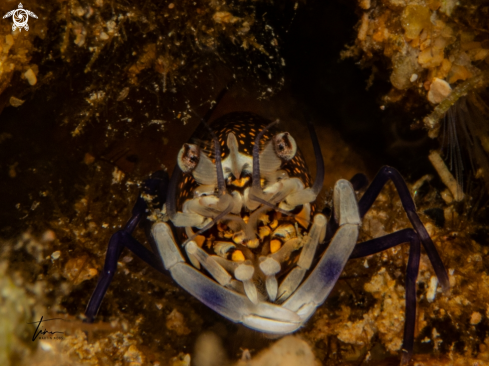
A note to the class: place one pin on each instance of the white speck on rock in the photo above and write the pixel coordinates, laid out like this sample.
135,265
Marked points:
31,77
430,296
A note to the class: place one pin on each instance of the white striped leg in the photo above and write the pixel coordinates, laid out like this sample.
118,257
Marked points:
309,244
316,288
270,267
244,275
214,268
263,316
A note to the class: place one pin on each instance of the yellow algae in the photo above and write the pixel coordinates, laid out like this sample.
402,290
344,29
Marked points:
414,19
416,36
404,66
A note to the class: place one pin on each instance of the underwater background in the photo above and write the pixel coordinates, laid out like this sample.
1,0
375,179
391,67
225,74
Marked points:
99,94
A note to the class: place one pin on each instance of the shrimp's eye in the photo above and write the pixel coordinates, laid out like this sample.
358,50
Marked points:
284,146
188,158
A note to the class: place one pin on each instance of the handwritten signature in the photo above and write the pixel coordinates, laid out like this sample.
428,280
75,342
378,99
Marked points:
38,332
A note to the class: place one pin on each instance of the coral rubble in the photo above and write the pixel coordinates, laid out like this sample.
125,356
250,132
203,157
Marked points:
430,45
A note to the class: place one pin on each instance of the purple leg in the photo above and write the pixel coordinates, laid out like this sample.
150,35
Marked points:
413,236
359,181
371,194
156,186
388,241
